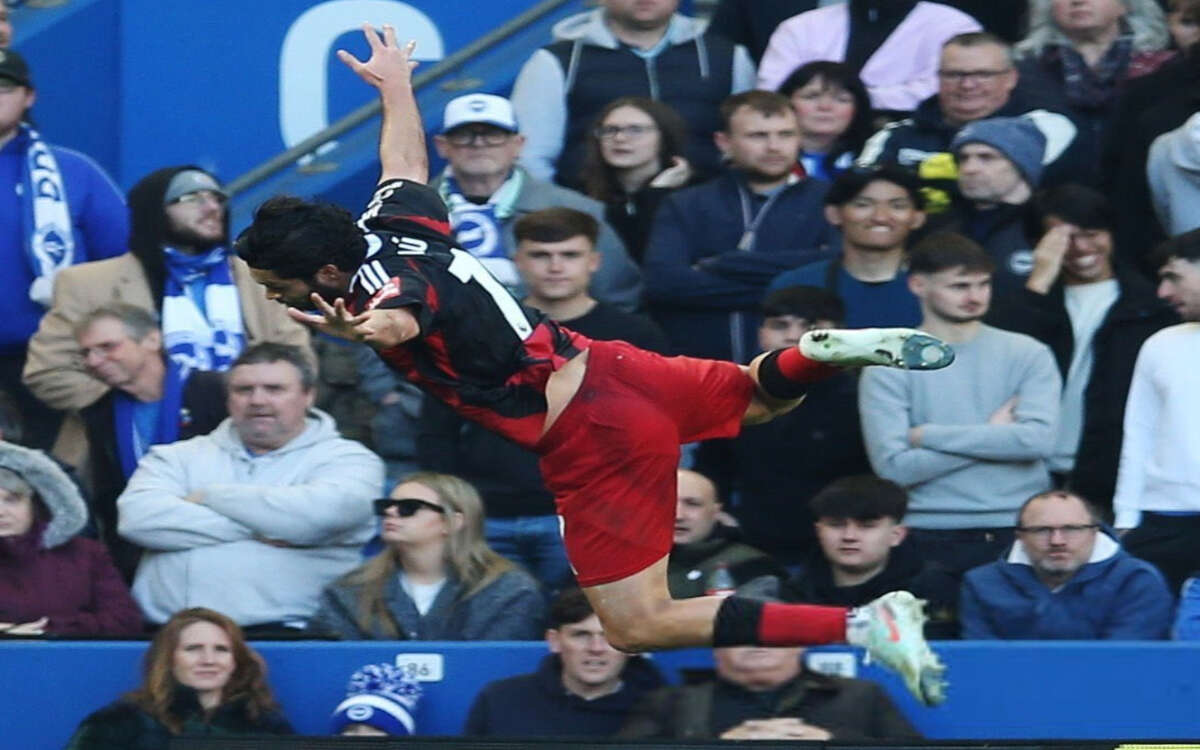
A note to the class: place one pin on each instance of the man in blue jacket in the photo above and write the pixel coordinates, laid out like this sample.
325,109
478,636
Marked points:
715,247
1065,577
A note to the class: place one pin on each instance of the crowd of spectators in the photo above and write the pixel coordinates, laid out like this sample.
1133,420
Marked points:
1021,185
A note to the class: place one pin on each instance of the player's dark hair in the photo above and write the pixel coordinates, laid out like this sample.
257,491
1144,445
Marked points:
809,302
1092,511
862,498
267,352
945,250
849,184
1184,246
831,76
569,607
598,178
294,238
555,225
766,103
1082,206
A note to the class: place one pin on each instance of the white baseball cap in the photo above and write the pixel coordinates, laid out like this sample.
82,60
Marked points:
483,108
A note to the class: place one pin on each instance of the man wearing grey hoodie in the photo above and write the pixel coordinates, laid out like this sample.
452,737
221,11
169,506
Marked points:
1173,171
624,48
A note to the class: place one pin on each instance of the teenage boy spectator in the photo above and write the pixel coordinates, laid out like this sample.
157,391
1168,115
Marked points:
703,545
864,552
714,247
893,45
1094,315
625,48
583,688
1065,577
770,470
486,192
556,257
58,208
876,210
969,443
1158,491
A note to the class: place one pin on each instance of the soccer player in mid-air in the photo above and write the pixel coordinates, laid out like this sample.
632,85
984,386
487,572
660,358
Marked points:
606,418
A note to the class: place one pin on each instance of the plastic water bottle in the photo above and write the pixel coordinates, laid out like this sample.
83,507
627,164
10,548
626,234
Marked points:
720,581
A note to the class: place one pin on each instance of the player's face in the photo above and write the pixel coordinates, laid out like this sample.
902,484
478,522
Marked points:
292,292
425,526
1179,286
987,176
197,219
757,667
822,108
953,295
114,357
557,271
589,663
268,404
1089,256
14,102
782,331
1058,534
203,659
696,508
625,148
16,513
879,218
765,147
974,82
858,546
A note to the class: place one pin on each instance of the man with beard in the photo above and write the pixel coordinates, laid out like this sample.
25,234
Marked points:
714,247
179,266
969,443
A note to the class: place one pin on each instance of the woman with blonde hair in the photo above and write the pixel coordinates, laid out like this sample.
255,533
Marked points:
436,579
200,679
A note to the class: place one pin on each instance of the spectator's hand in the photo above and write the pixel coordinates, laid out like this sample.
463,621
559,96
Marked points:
195,496
274,542
1048,258
389,65
783,728
37,627
1006,414
914,436
673,176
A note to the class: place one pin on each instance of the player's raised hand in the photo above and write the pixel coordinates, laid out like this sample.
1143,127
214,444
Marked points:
389,64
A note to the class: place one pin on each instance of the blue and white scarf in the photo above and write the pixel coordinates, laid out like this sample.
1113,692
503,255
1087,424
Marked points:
479,229
50,241
196,338
171,419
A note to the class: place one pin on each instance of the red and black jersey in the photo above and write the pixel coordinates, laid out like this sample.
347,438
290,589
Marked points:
479,350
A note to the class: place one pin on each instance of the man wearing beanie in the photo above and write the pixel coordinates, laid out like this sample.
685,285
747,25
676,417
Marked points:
999,166
380,702
58,208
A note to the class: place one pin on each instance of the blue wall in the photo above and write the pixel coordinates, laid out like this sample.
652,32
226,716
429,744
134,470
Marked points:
998,690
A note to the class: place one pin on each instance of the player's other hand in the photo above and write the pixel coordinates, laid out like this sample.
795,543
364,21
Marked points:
389,64
335,320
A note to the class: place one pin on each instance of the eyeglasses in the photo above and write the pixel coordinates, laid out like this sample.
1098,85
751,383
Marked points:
199,196
486,136
630,131
961,76
1069,531
404,506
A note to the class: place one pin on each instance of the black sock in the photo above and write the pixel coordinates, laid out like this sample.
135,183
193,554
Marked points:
775,383
737,621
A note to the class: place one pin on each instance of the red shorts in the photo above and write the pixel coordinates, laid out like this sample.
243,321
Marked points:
610,458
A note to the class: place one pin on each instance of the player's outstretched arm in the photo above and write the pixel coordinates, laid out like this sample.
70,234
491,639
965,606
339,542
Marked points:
381,329
402,153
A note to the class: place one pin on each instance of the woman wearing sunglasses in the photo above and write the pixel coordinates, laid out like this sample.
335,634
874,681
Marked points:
436,578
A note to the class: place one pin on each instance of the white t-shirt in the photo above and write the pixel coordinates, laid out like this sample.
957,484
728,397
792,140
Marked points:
422,594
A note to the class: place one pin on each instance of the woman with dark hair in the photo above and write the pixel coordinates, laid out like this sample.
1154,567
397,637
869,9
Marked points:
634,158
436,579
52,581
200,679
834,112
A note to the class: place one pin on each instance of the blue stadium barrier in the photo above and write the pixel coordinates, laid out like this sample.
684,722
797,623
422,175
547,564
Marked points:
1009,691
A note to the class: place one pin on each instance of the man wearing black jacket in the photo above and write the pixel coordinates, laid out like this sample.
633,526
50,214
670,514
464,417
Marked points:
1094,315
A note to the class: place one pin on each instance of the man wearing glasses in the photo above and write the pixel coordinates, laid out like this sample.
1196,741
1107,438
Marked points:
487,192
1065,577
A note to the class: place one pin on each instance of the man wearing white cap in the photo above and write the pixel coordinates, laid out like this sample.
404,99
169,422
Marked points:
486,193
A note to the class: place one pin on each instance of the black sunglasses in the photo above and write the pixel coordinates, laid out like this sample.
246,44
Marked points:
405,506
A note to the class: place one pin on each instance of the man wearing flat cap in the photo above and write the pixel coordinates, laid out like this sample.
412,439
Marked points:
57,208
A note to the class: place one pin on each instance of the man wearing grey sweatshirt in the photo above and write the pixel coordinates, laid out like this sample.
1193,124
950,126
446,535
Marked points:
969,442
